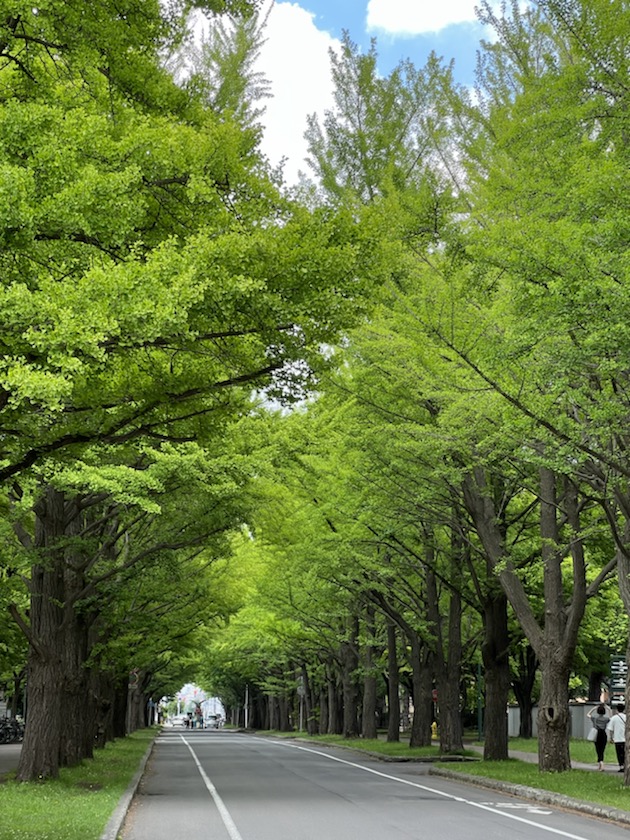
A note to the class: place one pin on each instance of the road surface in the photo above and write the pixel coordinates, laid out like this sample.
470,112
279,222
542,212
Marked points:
221,785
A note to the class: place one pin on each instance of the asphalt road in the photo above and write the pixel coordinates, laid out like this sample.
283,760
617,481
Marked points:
208,785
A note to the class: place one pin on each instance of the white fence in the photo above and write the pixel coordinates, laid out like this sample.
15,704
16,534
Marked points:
580,724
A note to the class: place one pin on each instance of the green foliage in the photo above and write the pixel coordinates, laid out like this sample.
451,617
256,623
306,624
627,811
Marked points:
79,804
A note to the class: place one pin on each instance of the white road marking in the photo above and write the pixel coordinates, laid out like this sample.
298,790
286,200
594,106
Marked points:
519,806
482,805
228,822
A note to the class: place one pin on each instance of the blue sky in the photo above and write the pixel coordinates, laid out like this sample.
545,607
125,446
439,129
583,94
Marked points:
300,34
403,31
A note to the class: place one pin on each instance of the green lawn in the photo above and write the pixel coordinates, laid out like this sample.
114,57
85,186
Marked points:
599,788
79,804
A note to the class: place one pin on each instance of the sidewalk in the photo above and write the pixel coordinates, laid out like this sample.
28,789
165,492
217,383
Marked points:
9,757
532,758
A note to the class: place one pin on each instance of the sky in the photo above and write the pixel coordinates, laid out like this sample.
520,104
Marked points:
295,57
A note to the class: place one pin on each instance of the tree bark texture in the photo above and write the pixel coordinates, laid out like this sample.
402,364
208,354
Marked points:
393,684
496,662
58,680
368,714
421,661
448,654
523,685
349,668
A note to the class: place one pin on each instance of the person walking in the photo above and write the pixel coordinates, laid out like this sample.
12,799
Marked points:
600,717
616,730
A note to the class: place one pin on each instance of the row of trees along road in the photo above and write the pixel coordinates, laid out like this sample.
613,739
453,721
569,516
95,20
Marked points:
455,290
461,482
153,276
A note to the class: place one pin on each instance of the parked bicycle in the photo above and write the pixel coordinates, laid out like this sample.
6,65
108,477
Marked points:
11,730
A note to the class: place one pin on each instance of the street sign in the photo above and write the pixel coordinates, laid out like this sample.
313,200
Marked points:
618,677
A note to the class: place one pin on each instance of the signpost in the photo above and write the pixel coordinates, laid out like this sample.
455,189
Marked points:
618,676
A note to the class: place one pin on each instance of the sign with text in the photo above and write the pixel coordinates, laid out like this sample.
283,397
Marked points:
618,676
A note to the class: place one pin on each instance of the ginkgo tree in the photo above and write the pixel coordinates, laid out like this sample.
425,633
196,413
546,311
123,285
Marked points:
153,275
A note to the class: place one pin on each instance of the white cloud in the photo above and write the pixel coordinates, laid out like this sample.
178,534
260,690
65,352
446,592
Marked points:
416,17
295,60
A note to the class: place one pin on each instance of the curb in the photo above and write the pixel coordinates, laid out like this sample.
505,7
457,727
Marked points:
537,795
115,822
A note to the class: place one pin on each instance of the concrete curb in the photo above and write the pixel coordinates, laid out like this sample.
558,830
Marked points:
537,795
115,823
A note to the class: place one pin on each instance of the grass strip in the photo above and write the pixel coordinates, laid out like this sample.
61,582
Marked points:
598,788
78,805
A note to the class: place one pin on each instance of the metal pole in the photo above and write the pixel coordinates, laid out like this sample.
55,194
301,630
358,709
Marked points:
247,707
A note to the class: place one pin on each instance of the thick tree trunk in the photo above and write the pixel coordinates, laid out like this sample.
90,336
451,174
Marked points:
48,738
554,721
350,698
40,753
422,682
494,651
349,667
368,715
393,684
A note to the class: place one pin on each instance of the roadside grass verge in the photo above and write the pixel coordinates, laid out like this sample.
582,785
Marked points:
585,785
78,805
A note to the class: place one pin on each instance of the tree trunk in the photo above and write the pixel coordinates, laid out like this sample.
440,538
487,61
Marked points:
448,656
40,753
393,684
311,720
119,716
335,718
422,682
285,718
554,721
523,686
349,667
42,750
323,711
368,716
554,642
494,651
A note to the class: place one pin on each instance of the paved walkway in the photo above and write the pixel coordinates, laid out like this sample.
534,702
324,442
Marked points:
9,757
532,758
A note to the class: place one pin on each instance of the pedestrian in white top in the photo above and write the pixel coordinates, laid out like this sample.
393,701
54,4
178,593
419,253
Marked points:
617,734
